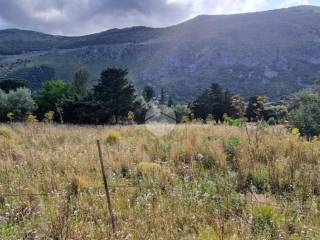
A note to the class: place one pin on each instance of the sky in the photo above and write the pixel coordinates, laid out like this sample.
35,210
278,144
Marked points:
80,17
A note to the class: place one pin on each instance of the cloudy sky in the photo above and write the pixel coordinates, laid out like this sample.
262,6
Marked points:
78,17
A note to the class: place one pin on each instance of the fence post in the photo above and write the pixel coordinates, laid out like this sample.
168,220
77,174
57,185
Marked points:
106,187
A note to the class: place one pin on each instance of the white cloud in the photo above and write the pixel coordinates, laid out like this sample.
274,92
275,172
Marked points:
77,17
197,7
227,6
3,24
291,3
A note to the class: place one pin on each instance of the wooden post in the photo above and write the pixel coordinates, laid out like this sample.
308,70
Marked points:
106,187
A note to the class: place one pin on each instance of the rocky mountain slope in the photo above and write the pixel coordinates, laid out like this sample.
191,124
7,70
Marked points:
270,53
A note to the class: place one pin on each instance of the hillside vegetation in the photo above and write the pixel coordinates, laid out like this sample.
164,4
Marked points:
271,53
196,182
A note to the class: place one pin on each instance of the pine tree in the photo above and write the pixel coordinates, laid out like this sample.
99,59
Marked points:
115,93
202,106
214,101
148,93
162,97
170,102
81,83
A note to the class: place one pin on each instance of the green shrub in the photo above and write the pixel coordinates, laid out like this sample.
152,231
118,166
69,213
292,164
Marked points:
260,179
237,122
266,222
271,121
185,119
306,116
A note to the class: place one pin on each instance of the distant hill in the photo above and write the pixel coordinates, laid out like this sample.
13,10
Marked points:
269,53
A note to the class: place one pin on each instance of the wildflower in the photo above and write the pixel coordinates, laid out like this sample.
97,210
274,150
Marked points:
49,116
30,118
10,116
112,138
295,131
3,219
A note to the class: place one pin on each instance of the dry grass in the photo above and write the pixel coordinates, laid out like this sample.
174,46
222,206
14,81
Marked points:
197,182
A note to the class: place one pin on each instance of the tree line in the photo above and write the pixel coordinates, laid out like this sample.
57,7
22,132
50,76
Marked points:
113,100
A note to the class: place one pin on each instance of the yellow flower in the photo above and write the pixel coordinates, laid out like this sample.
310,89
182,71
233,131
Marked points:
295,131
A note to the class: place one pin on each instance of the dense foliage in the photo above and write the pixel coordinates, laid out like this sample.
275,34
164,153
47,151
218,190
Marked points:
114,93
113,100
217,102
81,83
7,85
15,104
305,115
51,95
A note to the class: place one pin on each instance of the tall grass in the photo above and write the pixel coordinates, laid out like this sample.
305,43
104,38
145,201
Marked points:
196,182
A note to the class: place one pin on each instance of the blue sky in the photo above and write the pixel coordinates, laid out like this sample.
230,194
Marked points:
78,17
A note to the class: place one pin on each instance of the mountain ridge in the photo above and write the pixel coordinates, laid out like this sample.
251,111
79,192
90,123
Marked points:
271,53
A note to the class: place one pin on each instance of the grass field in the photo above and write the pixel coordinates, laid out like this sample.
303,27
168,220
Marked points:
196,182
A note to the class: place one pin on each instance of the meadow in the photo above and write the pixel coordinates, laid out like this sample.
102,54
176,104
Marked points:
209,182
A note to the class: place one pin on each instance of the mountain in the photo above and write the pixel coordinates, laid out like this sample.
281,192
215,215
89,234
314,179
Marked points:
270,53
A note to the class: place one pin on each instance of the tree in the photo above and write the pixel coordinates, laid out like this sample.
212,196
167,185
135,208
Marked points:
51,94
306,115
214,101
181,112
170,102
7,85
18,102
148,93
237,107
294,101
81,83
202,106
276,113
256,108
141,108
86,111
162,97
114,93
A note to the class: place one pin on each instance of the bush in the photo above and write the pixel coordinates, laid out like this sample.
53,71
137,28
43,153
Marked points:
182,113
17,102
185,119
275,114
238,122
51,94
260,179
266,222
306,115
112,138
271,121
